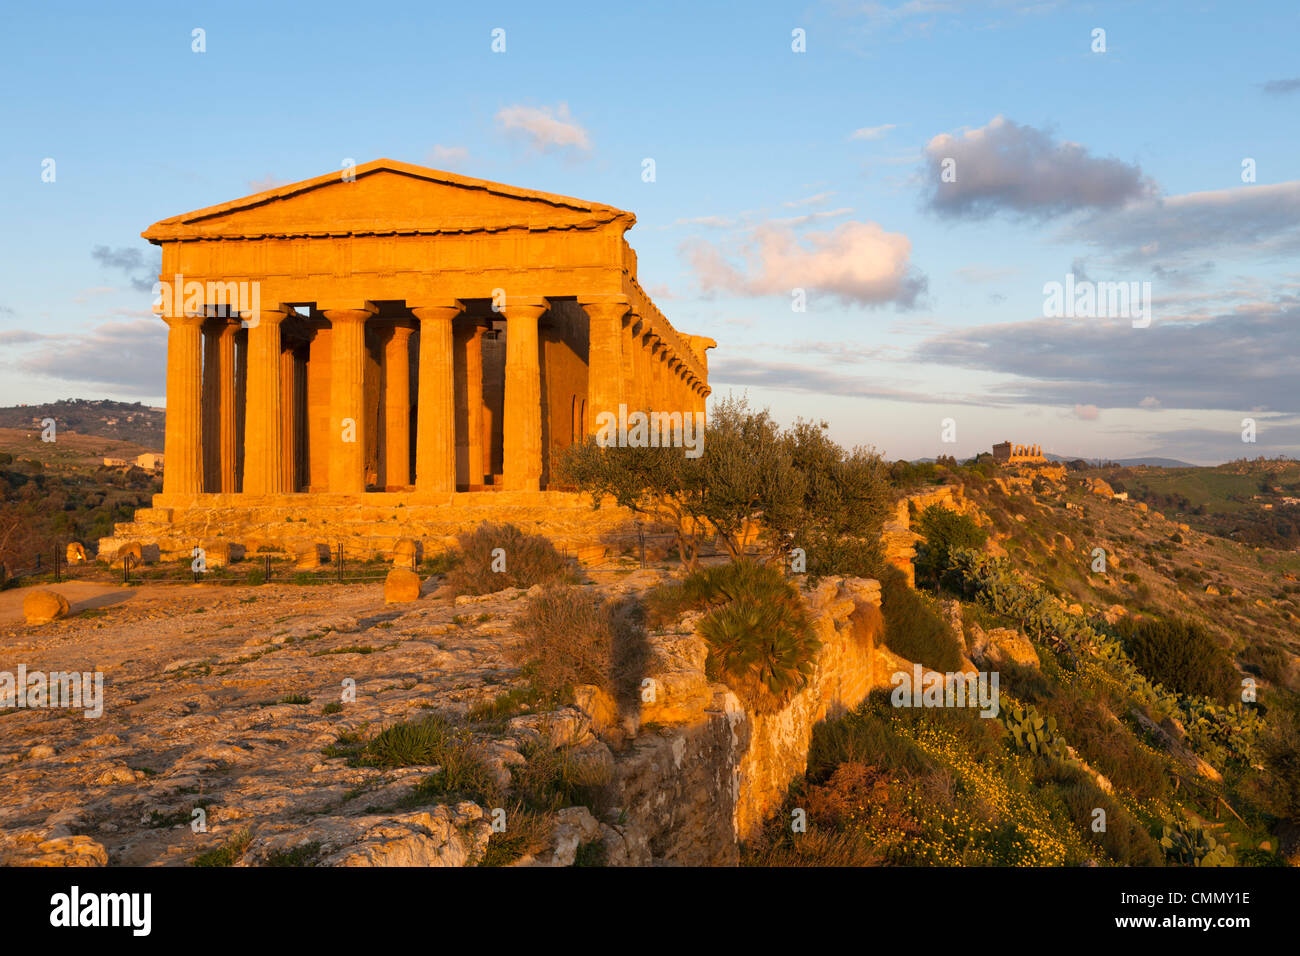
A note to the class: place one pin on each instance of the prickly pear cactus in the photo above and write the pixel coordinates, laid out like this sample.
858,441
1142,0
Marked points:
1187,844
1037,735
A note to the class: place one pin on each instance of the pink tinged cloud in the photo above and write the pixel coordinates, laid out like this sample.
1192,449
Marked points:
856,262
544,127
1087,413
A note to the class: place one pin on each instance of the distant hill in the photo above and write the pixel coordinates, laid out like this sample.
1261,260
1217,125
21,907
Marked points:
1126,462
1098,462
135,423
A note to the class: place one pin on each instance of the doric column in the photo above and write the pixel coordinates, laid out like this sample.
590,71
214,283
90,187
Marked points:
657,355
183,438
262,445
678,389
641,362
346,440
211,419
318,410
469,396
605,387
227,385
288,421
397,406
522,419
435,417
629,345
241,401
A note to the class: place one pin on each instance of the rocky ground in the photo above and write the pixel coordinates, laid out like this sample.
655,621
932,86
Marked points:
201,712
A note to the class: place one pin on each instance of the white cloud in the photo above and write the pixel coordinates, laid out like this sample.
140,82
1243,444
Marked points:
872,132
544,128
813,216
855,262
449,156
266,183
808,200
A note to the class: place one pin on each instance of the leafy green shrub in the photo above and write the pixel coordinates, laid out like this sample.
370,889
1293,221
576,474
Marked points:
478,567
1217,733
764,651
944,531
1180,655
760,637
913,629
796,486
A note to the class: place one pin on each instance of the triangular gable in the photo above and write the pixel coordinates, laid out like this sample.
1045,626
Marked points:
386,197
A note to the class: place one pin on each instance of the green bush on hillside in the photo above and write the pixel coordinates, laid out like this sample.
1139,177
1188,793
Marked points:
1181,656
760,636
944,531
913,629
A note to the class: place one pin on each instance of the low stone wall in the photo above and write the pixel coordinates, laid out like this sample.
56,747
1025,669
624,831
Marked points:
368,524
703,772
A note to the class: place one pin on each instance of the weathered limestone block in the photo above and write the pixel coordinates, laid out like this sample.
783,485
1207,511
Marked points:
129,549
402,585
440,836
407,553
311,556
44,849
600,708
999,646
862,590
680,691
567,727
220,554
626,844
1099,486
76,553
41,607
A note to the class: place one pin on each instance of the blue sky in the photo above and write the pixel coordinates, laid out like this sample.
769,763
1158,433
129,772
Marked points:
774,170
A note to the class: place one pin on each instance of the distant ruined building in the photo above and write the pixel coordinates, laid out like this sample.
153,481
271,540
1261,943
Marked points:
1008,454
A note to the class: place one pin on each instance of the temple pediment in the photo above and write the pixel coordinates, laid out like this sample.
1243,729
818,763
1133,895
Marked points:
387,198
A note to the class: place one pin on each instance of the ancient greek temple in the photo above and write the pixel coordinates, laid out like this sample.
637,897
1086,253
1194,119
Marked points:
396,329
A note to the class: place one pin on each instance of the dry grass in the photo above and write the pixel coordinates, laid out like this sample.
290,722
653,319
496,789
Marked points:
493,557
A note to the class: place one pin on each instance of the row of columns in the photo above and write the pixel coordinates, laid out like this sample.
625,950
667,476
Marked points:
628,364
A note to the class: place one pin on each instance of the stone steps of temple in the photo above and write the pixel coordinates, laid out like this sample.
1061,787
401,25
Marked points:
292,525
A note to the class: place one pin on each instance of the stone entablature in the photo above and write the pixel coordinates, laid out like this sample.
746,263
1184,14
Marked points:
399,328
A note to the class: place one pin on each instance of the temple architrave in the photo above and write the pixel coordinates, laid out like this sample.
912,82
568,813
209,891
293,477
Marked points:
392,336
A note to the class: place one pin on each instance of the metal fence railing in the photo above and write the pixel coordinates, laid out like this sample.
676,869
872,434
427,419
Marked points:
363,565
